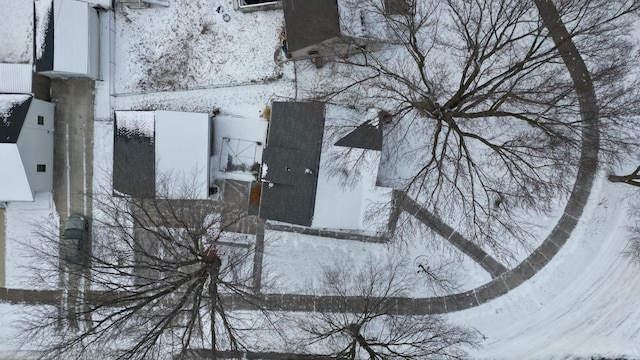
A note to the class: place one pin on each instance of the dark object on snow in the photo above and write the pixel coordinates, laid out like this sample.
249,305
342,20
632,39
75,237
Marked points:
310,22
75,244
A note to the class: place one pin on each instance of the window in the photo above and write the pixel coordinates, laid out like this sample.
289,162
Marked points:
254,2
41,168
398,7
257,5
40,120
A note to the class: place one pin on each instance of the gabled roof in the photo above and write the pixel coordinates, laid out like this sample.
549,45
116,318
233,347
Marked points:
310,22
13,111
366,136
291,162
161,153
134,160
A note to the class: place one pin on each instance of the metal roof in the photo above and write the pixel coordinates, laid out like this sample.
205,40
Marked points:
15,78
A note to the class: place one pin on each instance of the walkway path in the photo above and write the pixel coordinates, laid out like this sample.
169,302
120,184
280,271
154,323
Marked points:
486,261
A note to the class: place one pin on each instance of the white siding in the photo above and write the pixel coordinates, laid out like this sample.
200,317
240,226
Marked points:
15,78
36,145
14,185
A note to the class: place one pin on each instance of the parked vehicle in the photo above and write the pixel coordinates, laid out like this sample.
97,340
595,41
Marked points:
75,242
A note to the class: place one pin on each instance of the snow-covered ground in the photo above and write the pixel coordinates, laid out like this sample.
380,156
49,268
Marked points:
22,221
581,304
190,44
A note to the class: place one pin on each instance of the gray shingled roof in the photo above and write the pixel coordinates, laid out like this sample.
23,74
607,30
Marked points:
292,157
365,136
134,163
12,120
310,22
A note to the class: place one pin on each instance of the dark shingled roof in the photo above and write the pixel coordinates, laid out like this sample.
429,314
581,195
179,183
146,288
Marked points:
310,22
292,157
45,62
134,163
365,136
11,124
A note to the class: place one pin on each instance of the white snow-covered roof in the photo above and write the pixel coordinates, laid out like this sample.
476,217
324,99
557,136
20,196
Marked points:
16,31
15,78
14,185
71,36
182,153
142,122
181,147
347,206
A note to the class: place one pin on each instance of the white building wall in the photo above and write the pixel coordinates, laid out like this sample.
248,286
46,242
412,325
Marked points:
36,145
14,185
15,78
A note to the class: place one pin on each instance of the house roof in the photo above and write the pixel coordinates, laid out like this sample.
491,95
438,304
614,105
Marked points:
366,136
291,162
44,31
310,22
182,154
13,111
16,31
161,153
14,185
346,192
134,154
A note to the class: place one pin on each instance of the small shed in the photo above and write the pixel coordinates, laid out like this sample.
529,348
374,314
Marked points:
67,39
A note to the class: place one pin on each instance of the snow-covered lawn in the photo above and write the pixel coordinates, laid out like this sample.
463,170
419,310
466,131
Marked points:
190,45
22,220
582,304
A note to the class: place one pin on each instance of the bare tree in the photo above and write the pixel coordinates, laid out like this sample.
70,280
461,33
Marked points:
373,329
159,271
632,179
486,114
